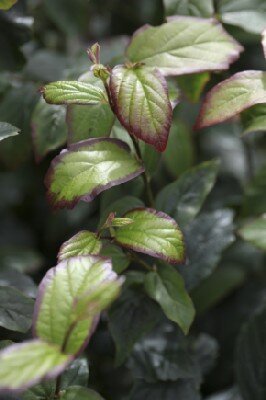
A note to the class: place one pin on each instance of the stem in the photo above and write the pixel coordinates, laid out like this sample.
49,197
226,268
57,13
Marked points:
148,189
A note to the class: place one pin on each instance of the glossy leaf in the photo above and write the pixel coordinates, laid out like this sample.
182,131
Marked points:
72,92
193,85
15,309
80,393
197,8
23,365
250,358
232,96
49,130
167,287
170,48
75,286
81,244
153,233
184,198
254,119
7,130
6,4
140,100
255,232
249,15
87,168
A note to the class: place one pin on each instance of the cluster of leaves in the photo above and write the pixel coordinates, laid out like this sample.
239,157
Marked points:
120,120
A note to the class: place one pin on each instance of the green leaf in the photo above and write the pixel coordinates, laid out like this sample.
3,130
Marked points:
87,168
263,42
120,261
193,85
23,365
73,92
7,130
249,15
254,119
232,96
65,292
255,192
197,8
255,232
81,244
250,358
206,238
184,198
80,393
11,277
170,48
6,4
136,310
15,310
164,390
89,121
167,287
141,103
179,154
153,233
49,130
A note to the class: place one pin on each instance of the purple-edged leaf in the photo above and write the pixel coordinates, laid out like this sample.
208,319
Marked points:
184,45
87,168
232,96
141,103
73,92
49,130
24,365
76,287
263,42
81,244
153,233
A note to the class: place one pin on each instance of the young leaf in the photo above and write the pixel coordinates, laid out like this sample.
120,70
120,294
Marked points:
80,393
167,287
72,92
7,130
255,232
193,85
15,310
65,293
197,8
184,198
153,233
232,96
254,119
87,168
170,48
141,103
49,130
81,244
24,365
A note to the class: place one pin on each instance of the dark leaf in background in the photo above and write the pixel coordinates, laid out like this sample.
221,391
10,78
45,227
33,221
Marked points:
80,393
16,279
197,8
254,198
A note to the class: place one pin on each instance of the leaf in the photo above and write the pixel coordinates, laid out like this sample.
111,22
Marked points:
139,315
15,309
179,154
49,131
197,8
89,121
232,96
153,233
167,287
184,198
141,103
80,393
66,289
206,238
120,261
255,232
164,390
193,85
7,130
254,119
173,51
87,168
249,15
17,280
81,244
254,197
23,365
6,4
263,42
250,358
72,92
